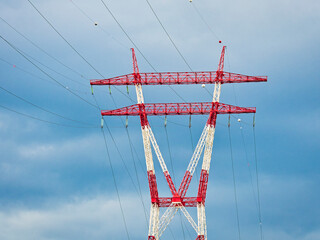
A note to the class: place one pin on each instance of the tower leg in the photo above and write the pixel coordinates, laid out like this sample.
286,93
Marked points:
202,223
154,222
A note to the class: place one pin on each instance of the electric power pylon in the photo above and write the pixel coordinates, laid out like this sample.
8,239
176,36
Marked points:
178,200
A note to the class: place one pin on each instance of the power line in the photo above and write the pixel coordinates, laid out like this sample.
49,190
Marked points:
105,31
80,55
48,54
168,35
41,49
134,164
205,22
121,157
257,176
36,76
74,93
43,109
42,120
133,43
258,203
127,35
115,184
30,73
234,182
248,165
67,43
62,75
60,84
173,174
73,48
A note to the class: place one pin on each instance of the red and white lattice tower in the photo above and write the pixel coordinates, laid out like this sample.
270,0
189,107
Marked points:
178,200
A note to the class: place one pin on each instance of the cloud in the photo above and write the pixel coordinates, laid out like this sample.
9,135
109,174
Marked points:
43,167
99,216
80,218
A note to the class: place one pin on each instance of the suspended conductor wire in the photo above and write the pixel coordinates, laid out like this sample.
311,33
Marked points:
42,120
123,162
129,138
43,109
118,150
133,43
62,75
210,94
248,165
186,227
137,176
134,164
79,54
183,233
36,76
168,35
257,201
190,235
170,156
234,182
73,48
175,46
60,84
115,19
257,176
41,49
233,86
132,146
105,31
30,73
173,174
204,21
115,184
192,147
171,232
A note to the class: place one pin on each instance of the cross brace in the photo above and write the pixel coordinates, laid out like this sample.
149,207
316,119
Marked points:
177,109
171,78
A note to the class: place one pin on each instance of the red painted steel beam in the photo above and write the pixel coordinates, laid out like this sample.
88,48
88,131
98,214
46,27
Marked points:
171,78
178,109
200,237
186,201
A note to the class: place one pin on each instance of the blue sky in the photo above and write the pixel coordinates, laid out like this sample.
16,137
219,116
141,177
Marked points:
55,181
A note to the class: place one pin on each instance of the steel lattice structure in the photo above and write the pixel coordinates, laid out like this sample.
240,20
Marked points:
178,200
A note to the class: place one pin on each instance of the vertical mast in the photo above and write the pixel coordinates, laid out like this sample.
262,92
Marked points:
154,211
211,124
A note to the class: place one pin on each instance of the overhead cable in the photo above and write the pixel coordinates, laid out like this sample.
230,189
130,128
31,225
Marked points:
133,43
42,120
41,49
234,182
51,69
79,54
121,157
205,22
168,35
94,22
257,176
134,164
73,48
43,109
30,73
60,84
124,31
115,184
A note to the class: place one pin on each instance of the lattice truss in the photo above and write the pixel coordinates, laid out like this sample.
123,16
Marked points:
178,200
